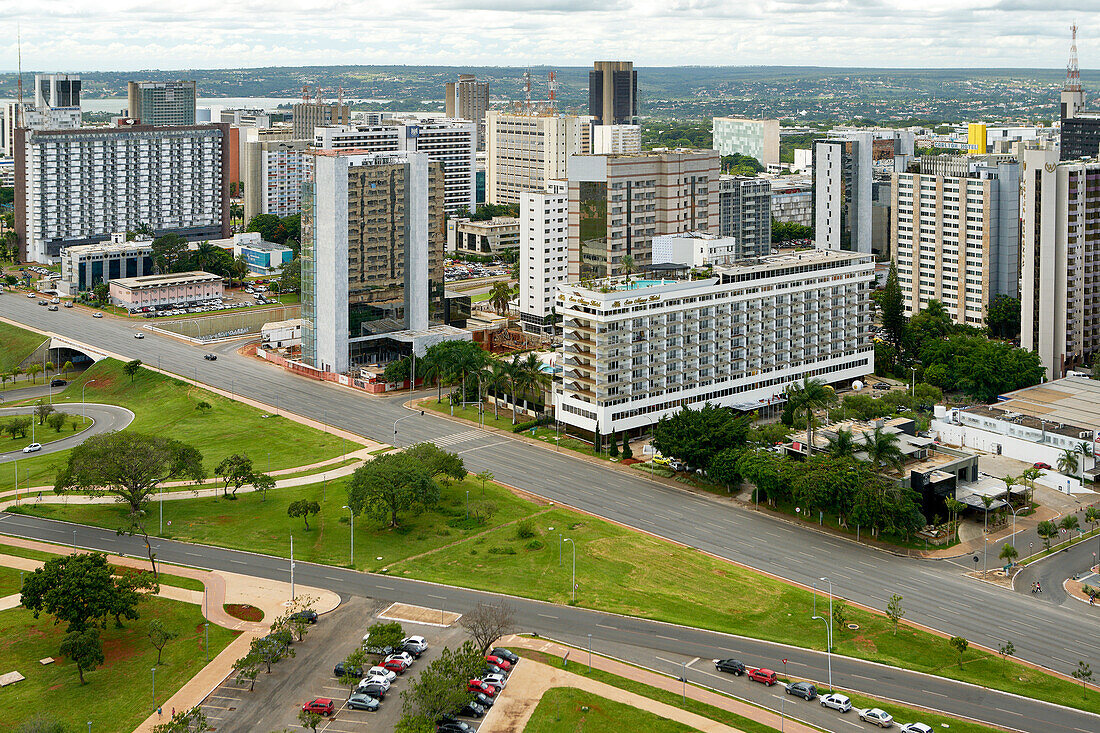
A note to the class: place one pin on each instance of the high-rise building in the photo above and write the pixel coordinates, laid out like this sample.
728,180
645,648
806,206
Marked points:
756,138
1080,130
448,142
372,258
468,99
793,199
956,234
55,106
273,173
613,93
311,115
1059,303
635,352
616,139
162,103
842,193
745,213
53,91
619,203
543,251
78,186
525,151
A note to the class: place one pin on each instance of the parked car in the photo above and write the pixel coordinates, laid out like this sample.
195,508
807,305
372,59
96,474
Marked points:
805,690
416,642
498,681
372,689
503,653
320,705
484,700
55,300
763,675
660,460
375,679
837,702
504,664
363,701
211,357
403,656
1042,464
395,665
472,710
308,615
915,728
139,335
876,716
68,304
880,386
32,448
52,308
455,726
341,671
482,687
380,671
732,666
42,302
97,314
489,669
382,650
58,382
31,295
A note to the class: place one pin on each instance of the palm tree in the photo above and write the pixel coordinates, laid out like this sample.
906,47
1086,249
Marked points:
204,255
882,448
15,374
514,369
531,378
236,212
1067,462
240,269
1084,450
496,379
810,395
433,369
1010,481
33,370
500,295
1029,475
4,377
843,445
626,266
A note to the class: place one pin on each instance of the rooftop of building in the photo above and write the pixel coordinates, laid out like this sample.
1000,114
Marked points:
496,222
1070,401
1002,411
108,247
171,278
289,323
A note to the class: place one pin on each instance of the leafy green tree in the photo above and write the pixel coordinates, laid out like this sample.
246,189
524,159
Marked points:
42,410
18,426
893,309
42,723
203,407
960,645
84,648
396,371
102,293
57,421
355,660
303,508
169,251
808,396
309,719
440,688
695,436
263,483
185,721
247,668
384,634
390,484
236,471
723,468
76,589
1046,529
159,636
894,611
270,227
439,463
937,375
1009,554
131,368
882,448
1083,673
865,406
1006,650
770,473
613,449
628,453
1003,317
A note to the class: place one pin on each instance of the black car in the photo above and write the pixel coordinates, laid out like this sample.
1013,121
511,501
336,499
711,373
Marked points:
483,700
372,690
58,383
472,710
341,671
308,615
412,649
505,654
211,357
730,665
455,726
805,690
491,669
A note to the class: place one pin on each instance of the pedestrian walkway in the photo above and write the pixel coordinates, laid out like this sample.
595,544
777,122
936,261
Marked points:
531,680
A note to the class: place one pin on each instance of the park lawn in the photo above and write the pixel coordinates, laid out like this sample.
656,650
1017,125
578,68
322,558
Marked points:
560,709
43,434
164,578
9,581
253,524
16,344
163,405
118,695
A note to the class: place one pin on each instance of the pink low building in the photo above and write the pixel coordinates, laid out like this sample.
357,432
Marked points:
175,288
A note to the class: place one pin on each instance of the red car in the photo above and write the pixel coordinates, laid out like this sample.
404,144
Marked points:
1043,465
764,675
479,686
320,705
504,664
396,665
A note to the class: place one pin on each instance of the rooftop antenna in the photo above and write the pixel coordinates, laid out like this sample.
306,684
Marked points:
527,91
1073,72
319,97
340,96
553,92
305,93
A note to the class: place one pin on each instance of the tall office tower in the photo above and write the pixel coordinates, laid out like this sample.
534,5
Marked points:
372,257
613,93
756,138
636,352
311,115
793,199
956,234
616,139
273,172
1080,130
53,91
525,151
543,250
55,106
449,142
619,203
1059,303
468,99
162,103
842,193
78,186
745,213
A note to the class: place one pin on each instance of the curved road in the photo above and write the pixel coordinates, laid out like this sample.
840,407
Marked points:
106,417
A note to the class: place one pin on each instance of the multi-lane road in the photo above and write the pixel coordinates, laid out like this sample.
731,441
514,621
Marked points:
936,593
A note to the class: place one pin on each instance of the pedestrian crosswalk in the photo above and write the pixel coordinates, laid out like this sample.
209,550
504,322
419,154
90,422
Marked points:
456,438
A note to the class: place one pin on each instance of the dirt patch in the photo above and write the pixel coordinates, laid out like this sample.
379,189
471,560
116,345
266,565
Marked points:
118,650
865,645
419,614
243,611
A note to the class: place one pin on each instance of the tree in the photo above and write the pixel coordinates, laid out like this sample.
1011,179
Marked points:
390,484
440,688
1003,317
1006,650
203,407
42,410
102,293
695,436
269,226
937,375
627,266
894,611
270,649
185,721
84,648
1083,673
1009,553
297,618
18,426
309,719
488,622
384,634
396,371
77,589
1092,515
843,445
57,421
1069,523
42,724
840,613
356,660
722,467
236,471
496,379
247,669
807,396
1046,529
1067,461
882,448
66,367
500,295
614,447
303,508
131,368
169,252
264,482
960,645
627,453
33,370
159,636
437,462
893,310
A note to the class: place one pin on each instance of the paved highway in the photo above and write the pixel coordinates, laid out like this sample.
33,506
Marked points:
652,644
936,592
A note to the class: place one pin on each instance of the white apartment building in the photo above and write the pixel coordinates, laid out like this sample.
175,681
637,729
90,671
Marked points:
635,352
694,249
453,143
956,238
273,172
756,138
1059,303
526,151
616,139
745,214
78,186
543,245
55,105
842,193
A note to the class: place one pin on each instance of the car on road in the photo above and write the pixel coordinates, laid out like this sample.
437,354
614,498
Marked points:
915,728
379,671
880,386
362,701
837,702
320,705
455,726
42,302
32,448
308,615
498,681
58,383
52,308
403,656
876,716
732,666
211,357
30,295
472,710
805,690
483,687
139,335
395,665
763,675
1042,464
374,690
55,300
503,653
341,671
97,315
498,661
68,304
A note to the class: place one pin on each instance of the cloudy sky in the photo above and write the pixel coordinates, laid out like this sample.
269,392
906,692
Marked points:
86,35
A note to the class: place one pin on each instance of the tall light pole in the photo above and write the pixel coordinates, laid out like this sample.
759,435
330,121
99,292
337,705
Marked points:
83,416
161,502
352,533
154,686
399,420
1013,540
574,544
292,567
828,625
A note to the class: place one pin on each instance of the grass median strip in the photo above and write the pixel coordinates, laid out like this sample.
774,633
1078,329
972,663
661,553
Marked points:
18,344
567,709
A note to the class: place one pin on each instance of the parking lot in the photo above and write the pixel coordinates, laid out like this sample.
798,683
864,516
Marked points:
278,697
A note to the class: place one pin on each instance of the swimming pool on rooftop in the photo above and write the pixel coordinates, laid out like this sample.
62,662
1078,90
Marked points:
638,284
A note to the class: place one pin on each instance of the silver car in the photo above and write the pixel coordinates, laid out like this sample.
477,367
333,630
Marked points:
836,701
876,716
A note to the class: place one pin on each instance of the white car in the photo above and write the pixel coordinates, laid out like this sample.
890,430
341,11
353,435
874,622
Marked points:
32,448
389,674
915,728
139,335
403,656
876,716
418,642
55,300
97,315
375,680
836,701
498,681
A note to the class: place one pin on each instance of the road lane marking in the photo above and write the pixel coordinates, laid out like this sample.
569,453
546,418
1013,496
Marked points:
670,638
1013,712
693,661
605,626
546,615
384,587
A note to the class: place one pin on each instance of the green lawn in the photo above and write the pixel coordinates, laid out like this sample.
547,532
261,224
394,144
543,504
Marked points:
118,695
16,344
164,578
43,434
504,422
9,581
567,709
166,406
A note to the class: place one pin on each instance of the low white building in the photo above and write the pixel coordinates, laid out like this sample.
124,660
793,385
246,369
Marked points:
282,334
694,249
616,139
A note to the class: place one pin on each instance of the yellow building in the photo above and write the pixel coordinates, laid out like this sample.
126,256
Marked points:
976,137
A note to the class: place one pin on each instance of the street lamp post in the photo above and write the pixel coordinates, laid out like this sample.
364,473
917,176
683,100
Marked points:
74,540
206,633
399,420
84,416
154,686
161,502
467,503
1022,506
590,652
828,625
683,680
574,544
292,567
352,533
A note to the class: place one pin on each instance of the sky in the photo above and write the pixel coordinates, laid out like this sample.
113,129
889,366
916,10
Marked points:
123,35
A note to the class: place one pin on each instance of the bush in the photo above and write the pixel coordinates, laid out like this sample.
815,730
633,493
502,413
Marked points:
525,530
537,422
498,550
534,545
